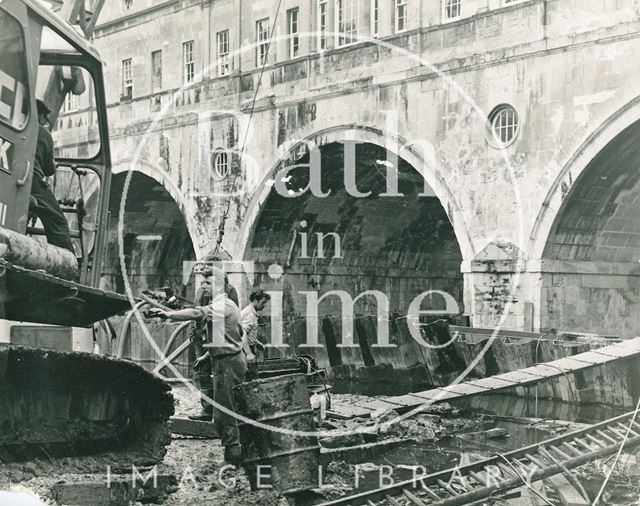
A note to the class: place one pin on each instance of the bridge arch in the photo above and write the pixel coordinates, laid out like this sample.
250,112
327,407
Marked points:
571,171
589,234
399,245
420,157
158,234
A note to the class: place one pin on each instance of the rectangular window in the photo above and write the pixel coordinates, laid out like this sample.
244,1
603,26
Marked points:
452,9
262,41
127,79
189,64
294,37
375,17
156,71
223,52
70,103
347,14
322,25
401,15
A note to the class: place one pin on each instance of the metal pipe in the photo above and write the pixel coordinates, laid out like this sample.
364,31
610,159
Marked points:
173,336
125,327
167,360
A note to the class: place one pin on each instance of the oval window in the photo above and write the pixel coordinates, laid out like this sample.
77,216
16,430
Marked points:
221,164
504,125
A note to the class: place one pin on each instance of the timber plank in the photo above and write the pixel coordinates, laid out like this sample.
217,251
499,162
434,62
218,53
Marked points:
569,364
345,412
546,370
197,428
376,404
518,378
467,389
593,357
493,383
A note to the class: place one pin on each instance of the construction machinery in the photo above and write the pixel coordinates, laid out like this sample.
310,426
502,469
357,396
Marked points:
56,396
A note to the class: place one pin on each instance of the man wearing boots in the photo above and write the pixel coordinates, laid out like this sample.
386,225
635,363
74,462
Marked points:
199,335
202,367
225,351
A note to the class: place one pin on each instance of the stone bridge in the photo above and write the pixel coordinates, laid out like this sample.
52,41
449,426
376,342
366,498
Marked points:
537,232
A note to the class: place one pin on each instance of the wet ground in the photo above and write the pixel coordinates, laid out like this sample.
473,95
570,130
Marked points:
442,438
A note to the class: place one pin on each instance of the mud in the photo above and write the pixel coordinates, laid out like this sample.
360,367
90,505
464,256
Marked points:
441,438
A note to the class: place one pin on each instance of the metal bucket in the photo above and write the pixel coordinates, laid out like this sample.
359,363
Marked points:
286,462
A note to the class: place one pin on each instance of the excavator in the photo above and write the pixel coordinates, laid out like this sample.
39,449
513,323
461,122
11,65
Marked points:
57,397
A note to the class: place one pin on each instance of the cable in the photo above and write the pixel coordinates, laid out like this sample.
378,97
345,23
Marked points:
615,462
573,398
225,215
523,480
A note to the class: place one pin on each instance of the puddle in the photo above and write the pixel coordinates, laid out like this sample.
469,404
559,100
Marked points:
511,405
461,447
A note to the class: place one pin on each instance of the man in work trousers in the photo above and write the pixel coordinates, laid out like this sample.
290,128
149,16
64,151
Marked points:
46,207
198,336
257,301
202,369
225,351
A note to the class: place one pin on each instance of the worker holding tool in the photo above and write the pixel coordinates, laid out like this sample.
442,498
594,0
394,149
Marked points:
225,353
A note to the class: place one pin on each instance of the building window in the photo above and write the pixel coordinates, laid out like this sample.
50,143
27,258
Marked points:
156,71
401,15
189,65
127,79
375,17
262,41
453,9
70,103
294,37
322,25
347,14
223,52
220,164
504,125
127,4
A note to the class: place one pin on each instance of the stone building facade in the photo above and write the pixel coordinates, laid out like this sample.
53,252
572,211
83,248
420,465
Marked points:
515,125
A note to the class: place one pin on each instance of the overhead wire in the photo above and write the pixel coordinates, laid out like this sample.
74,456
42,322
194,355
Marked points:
225,215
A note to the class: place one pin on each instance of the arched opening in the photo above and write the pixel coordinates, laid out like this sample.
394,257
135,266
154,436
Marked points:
400,246
155,236
591,275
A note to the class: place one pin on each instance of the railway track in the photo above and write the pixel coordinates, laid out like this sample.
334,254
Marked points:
503,472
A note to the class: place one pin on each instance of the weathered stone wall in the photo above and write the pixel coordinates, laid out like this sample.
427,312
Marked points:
566,67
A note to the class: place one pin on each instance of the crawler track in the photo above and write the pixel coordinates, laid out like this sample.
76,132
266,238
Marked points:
60,404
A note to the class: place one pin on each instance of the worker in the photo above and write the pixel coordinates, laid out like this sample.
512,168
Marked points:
198,336
257,301
225,351
46,206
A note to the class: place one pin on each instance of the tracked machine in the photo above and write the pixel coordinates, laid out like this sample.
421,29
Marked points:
58,397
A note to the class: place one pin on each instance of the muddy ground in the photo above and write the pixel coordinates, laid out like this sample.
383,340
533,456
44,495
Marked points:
196,473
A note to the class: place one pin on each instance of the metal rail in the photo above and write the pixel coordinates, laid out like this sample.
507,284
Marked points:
502,472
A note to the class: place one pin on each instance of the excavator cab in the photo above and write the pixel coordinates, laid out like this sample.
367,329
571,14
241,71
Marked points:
45,58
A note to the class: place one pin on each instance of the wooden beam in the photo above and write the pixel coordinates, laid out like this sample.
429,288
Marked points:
198,428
